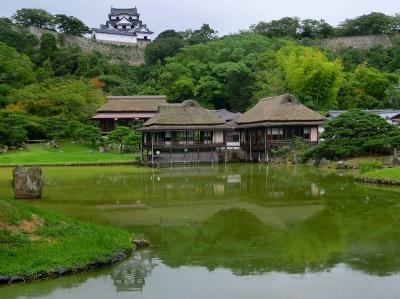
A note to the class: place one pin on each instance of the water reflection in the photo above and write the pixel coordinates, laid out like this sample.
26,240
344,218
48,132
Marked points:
131,275
241,223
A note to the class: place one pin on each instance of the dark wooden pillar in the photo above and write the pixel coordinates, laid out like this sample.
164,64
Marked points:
251,158
265,145
152,148
142,146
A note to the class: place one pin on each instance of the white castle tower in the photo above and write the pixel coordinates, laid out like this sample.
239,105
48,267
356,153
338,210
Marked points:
123,25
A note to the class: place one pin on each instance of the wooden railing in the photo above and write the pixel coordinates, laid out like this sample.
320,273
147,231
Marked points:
183,144
272,143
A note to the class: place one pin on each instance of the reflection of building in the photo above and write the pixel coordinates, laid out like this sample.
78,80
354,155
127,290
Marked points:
131,275
123,25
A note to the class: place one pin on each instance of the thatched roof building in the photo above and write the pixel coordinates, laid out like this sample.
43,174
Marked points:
189,115
132,104
127,109
279,110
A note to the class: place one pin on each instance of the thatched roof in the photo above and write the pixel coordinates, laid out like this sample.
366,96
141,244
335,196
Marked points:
133,103
279,110
226,115
187,115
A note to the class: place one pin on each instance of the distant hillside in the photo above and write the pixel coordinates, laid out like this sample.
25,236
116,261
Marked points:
357,42
117,52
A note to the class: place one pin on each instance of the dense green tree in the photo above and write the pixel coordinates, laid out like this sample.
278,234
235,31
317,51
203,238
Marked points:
34,17
45,71
354,133
373,23
220,73
167,44
83,133
200,36
310,75
315,29
92,65
55,127
350,57
13,128
72,99
70,25
366,88
121,137
66,62
285,27
22,41
48,46
16,69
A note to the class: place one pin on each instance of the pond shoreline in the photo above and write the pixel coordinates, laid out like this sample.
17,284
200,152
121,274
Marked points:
378,181
70,164
61,271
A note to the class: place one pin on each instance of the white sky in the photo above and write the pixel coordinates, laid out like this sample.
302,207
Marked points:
226,16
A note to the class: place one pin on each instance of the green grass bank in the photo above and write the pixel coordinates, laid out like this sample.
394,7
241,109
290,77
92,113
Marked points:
37,244
66,153
387,176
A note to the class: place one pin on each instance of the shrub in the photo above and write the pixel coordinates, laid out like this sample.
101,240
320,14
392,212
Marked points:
354,133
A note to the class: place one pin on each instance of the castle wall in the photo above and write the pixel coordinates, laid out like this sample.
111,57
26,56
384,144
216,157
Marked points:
116,51
116,38
357,42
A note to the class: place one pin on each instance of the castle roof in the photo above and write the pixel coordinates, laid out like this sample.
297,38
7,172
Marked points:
124,11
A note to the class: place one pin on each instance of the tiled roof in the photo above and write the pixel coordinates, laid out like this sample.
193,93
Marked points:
128,11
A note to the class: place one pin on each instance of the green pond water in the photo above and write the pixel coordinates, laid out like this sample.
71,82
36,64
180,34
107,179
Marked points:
235,231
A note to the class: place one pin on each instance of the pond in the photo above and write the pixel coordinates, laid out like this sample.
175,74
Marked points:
230,231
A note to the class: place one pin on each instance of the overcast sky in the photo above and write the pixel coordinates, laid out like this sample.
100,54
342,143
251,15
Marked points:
226,16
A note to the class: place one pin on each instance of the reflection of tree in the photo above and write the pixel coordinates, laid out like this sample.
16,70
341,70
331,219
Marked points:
238,240
360,227
371,223
131,275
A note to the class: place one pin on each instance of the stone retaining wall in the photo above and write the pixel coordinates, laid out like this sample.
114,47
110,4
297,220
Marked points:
116,52
357,42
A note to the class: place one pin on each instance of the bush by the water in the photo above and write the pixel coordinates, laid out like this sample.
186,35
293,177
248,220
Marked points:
354,133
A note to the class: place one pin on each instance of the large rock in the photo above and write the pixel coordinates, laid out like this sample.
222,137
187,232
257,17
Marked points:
28,183
340,165
323,162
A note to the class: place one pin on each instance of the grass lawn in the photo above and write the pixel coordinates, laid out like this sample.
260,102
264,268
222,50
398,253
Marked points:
34,241
387,173
67,153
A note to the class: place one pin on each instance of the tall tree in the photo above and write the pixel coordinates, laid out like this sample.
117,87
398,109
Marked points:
310,75
16,69
366,88
167,44
71,25
285,27
373,23
202,35
48,46
34,17
315,29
